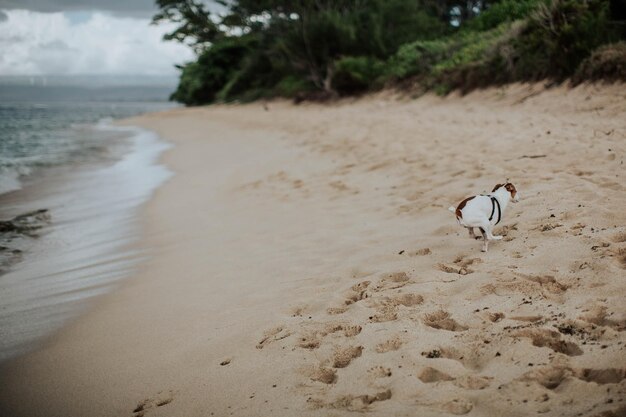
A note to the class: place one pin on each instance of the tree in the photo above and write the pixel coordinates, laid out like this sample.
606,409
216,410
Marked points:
197,26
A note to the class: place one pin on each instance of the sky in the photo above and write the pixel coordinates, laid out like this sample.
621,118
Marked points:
99,37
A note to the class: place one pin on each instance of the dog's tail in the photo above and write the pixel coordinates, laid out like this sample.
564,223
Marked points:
452,209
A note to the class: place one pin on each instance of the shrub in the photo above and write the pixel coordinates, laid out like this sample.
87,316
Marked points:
559,35
418,58
606,63
355,74
502,12
291,86
202,80
316,49
443,64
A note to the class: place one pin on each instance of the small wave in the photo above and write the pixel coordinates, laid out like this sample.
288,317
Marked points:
84,249
105,123
10,178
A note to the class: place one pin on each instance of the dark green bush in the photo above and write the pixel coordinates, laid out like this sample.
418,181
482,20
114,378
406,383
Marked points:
291,86
607,63
324,48
356,74
443,63
202,80
502,12
551,42
417,58
559,35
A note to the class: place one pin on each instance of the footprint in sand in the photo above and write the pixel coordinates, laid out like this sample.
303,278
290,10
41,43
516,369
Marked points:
299,311
273,335
470,382
454,269
407,300
387,307
458,406
473,382
420,252
351,331
390,345
598,315
384,314
461,266
343,356
309,341
473,356
429,375
551,377
351,402
527,286
336,310
601,376
379,372
392,281
312,339
495,317
547,282
357,293
161,399
464,263
506,232
323,374
619,238
441,320
620,254
550,339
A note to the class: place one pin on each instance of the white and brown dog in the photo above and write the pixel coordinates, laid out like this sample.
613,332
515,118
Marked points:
485,211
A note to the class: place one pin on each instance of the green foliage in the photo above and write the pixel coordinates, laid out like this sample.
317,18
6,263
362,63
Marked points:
195,23
607,63
433,61
202,80
356,74
325,48
559,35
502,12
291,86
551,42
417,58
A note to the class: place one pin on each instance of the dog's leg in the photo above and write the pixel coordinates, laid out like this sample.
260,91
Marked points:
471,233
485,240
490,234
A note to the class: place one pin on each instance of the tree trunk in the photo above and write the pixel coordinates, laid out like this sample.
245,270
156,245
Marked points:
328,81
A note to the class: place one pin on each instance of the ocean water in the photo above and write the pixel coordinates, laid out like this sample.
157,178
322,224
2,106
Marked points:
60,151
43,126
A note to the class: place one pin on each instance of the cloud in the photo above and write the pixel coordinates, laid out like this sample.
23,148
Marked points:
144,8
34,43
135,8
3,16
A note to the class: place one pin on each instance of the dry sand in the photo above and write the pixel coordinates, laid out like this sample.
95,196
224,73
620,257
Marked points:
304,263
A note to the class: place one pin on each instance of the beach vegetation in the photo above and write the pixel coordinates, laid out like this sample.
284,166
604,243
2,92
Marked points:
320,49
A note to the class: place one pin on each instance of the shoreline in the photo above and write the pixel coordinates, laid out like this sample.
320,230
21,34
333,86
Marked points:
72,256
304,263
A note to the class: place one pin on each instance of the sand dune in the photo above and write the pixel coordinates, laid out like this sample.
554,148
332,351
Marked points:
304,263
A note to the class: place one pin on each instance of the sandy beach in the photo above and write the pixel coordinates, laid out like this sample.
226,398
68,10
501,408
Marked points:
303,263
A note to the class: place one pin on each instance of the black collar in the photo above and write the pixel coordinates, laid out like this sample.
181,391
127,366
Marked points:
494,203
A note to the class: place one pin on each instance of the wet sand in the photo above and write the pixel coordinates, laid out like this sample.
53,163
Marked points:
303,262
79,245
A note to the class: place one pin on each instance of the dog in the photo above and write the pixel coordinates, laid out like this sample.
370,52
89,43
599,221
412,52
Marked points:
485,211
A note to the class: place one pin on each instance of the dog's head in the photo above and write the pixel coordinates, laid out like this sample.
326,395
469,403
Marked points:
510,188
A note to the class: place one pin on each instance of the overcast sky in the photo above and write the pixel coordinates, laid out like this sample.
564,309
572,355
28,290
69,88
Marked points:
67,37
141,8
